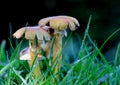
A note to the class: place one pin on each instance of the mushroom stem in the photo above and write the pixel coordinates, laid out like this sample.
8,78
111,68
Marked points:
34,53
36,68
56,51
57,57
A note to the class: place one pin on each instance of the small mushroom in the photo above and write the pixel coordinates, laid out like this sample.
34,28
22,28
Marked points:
59,24
36,36
33,31
25,54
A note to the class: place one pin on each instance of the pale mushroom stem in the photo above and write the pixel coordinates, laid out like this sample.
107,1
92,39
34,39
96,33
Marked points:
57,47
33,56
56,51
36,69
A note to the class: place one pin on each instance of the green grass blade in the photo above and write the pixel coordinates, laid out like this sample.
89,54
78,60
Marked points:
117,59
86,32
10,31
11,46
63,82
15,54
17,73
115,32
3,70
2,51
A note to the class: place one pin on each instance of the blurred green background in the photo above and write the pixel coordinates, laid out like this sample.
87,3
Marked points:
105,16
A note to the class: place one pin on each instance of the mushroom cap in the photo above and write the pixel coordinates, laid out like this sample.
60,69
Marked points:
31,32
60,22
25,54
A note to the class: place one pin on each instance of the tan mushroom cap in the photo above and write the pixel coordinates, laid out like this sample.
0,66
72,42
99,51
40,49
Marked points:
31,32
25,54
60,22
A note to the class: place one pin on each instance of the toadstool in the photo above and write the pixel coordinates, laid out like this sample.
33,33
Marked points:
36,36
59,24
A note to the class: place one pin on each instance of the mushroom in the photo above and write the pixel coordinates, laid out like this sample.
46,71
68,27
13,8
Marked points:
36,36
59,24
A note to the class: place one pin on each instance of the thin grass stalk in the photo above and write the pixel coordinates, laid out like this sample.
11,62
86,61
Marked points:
117,56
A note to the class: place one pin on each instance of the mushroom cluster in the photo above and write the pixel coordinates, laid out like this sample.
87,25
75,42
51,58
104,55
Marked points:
38,34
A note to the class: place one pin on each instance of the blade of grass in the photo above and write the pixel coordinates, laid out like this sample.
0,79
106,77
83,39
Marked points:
67,40
84,81
63,82
15,54
98,50
86,32
10,31
115,32
3,70
2,51
9,77
17,73
11,46
117,56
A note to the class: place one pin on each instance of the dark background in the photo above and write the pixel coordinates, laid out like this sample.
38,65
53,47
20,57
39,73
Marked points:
105,16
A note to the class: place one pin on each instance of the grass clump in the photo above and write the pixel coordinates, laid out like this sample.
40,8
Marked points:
86,70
